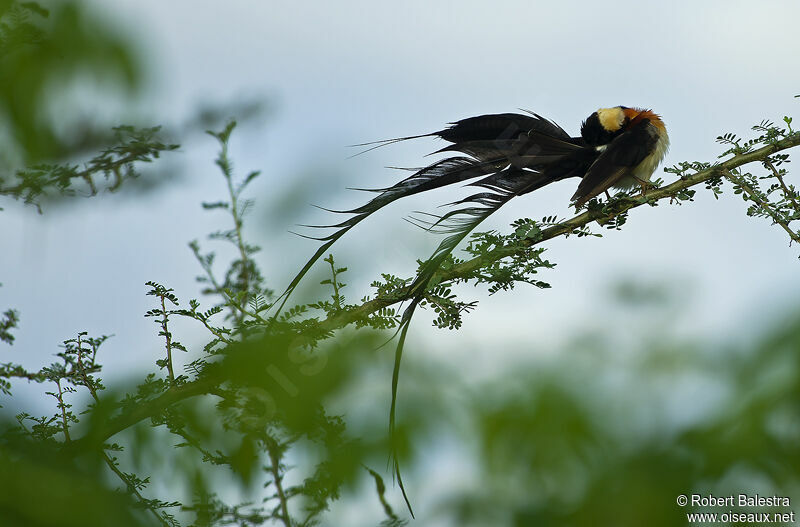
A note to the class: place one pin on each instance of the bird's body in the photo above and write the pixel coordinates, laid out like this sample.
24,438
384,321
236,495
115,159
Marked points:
630,144
618,147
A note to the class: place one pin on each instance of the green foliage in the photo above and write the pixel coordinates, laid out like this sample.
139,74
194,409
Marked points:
114,165
41,488
7,323
555,428
243,284
265,423
684,168
76,369
447,307
47,49
524,260
44,51
336,304
770,196
165,295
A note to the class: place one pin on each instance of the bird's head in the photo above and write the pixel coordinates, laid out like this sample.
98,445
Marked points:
605,124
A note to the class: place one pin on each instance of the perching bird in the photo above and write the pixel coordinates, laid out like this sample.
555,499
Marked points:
630,143
512,154
509,155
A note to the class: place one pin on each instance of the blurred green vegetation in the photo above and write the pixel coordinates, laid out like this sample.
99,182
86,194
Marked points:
46,50
64,68
544,442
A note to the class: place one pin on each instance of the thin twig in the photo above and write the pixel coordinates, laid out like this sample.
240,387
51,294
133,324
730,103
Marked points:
63,407
221,291
168,337
214,331
755,198
786,192
274,459
82,370
133,490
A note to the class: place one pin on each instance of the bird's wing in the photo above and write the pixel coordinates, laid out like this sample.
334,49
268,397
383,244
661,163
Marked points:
499,126
618,159
521,139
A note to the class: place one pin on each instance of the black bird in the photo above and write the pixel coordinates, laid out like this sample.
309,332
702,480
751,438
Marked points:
510,155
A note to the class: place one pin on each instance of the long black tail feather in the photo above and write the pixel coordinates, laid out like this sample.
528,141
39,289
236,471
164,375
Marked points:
493,144
385,142
507,155
504,185
439,174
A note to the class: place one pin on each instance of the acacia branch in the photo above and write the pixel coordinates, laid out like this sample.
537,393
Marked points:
468,268
145,410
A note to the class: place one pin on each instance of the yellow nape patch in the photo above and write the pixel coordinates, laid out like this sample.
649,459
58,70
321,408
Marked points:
611,119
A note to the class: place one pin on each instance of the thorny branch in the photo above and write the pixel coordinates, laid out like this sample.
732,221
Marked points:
763,205
788,193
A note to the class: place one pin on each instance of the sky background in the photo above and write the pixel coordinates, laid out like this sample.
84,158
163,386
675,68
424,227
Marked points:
332,75
336,73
